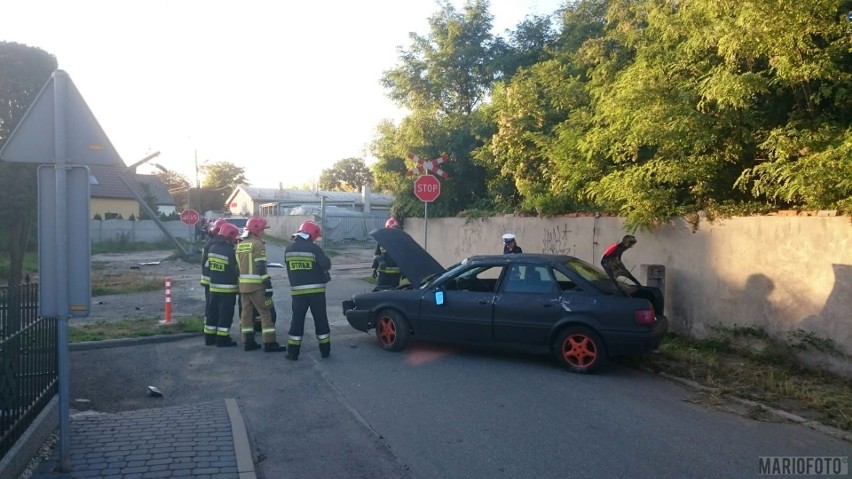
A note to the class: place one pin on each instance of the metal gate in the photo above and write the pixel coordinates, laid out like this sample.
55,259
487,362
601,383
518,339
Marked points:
28,362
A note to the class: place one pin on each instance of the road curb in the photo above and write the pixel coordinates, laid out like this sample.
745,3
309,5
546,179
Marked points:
118,343
779,413
242,447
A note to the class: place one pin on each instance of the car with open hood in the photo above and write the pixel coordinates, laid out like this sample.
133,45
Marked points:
540,303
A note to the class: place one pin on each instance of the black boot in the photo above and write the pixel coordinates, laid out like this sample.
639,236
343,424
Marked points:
209,339
293,353
325,349
250,345
225,342
273,348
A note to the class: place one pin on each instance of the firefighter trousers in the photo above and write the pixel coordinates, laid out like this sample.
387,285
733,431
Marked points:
220,313
301,304
257,301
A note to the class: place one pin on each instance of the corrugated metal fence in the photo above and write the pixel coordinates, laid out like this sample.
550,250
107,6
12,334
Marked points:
28,362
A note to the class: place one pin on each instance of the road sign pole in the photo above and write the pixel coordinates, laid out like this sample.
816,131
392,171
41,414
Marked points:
426,225
63,355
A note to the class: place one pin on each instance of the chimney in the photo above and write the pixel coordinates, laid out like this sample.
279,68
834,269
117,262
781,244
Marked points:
365,196
280,186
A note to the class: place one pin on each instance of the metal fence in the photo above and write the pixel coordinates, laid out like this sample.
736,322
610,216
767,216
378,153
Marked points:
28,363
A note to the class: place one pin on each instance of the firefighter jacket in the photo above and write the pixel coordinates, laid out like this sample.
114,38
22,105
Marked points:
383,262
307,267
222,266
251,262
205,274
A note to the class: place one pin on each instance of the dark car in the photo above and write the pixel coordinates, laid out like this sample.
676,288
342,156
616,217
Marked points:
552,304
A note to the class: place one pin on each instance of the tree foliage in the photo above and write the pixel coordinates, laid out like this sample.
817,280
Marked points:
348,174
650,109
223,175
23,72
177,184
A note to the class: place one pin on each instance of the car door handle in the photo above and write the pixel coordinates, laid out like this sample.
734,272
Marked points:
551,303
484,301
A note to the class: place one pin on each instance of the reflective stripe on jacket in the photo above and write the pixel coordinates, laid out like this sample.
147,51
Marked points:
307,267
251,263
222,267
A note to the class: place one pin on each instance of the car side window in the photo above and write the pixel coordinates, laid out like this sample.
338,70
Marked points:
481,279
528,279
565,283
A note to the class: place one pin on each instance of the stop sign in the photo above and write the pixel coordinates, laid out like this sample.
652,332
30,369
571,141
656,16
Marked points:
189,217
427,188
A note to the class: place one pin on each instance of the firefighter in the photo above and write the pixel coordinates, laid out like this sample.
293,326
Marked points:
221,264
308,268
509,244
205,274
385,269
255,288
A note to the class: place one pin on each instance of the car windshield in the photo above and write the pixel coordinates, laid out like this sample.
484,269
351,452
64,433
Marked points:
591,274
451,271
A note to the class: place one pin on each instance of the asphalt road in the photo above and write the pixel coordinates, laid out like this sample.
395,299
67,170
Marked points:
438,411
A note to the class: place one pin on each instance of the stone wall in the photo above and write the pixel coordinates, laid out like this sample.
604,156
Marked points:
778,273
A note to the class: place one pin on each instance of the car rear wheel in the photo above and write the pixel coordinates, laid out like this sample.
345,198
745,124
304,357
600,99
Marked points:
580,349
392,330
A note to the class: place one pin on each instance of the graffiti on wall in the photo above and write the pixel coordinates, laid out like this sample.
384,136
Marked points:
557,240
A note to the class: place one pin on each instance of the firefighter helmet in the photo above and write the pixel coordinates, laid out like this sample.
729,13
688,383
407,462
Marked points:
311,229
214,228
391,223
229,231
256,225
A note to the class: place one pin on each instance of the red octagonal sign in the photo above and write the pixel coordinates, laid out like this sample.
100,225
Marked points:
189,217
427,188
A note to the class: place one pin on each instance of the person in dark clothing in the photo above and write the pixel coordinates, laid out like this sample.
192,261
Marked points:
509,244
308,269
385,269
221,263
205,273
611,260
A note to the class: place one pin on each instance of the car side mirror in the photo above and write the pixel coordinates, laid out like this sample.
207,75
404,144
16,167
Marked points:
439,297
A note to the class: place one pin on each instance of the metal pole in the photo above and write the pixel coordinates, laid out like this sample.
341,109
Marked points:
426,225
64,370
322,220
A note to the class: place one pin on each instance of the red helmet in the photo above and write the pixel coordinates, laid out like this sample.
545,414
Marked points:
391,223
312,229
214,228
256,225
229,231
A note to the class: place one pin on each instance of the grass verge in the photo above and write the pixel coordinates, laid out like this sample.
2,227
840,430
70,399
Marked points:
106,282
133,328
748,364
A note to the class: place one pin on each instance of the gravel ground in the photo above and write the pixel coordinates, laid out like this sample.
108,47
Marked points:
187,294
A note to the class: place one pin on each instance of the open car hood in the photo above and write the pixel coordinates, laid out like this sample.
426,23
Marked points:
416,264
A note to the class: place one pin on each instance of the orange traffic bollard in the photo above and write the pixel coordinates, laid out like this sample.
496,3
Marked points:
168,319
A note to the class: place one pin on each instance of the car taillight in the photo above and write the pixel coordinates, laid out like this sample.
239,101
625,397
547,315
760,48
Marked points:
644,317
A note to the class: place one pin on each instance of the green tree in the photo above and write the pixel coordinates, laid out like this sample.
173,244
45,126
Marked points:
220,179
443,78
223,175
177,184
349,174
23,72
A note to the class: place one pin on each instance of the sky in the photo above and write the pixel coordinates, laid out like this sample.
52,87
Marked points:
283,89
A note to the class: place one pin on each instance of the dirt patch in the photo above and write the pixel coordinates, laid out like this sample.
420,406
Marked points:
351,260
